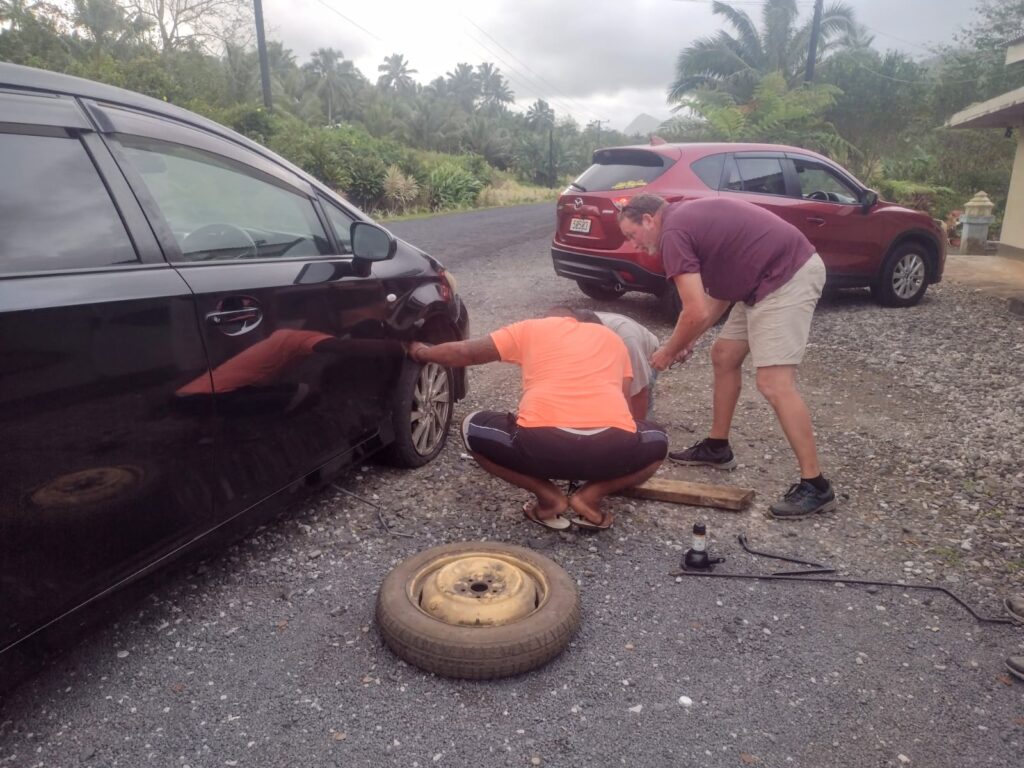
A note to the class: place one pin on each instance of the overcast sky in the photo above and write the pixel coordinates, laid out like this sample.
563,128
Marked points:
593,59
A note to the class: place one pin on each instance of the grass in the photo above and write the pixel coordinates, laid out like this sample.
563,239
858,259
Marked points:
504,193
948,555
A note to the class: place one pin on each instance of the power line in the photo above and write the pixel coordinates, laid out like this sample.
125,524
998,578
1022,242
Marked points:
579,107
350,21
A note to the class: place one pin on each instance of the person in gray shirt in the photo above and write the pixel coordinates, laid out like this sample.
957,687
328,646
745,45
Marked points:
641,344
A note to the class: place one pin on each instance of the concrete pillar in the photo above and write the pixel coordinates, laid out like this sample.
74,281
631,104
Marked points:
976,220
1012,234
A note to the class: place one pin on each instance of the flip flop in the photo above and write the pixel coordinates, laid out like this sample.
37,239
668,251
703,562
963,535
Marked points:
556,523
605,524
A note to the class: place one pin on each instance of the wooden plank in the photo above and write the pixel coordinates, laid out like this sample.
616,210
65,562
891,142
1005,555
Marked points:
697,494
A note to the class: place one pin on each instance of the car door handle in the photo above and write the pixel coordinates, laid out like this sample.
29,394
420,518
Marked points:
246,315
816,221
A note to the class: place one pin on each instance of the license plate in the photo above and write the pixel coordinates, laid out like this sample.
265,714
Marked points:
580,225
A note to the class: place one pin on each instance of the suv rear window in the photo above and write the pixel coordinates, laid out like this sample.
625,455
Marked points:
622,169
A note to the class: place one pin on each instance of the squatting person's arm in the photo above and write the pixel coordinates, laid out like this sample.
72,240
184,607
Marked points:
700,312
456,354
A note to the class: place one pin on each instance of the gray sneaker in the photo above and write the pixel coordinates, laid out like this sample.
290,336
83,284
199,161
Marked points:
1015,607
803,500
701,454
1015,666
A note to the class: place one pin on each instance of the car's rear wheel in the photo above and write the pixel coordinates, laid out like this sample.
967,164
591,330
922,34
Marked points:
598,291
671,304
903,278
478,610
422,412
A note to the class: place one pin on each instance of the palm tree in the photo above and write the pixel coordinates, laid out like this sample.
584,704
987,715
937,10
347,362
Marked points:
107,24
540,115
463,85
396,74
494,90
736,63
336,79
16,11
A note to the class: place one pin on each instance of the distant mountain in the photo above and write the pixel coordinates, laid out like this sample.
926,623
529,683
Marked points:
642,124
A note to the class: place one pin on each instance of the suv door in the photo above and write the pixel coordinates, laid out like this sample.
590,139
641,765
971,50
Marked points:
101,475
300,366
760,178
833,219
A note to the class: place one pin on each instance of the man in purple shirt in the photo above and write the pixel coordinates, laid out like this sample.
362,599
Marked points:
720,252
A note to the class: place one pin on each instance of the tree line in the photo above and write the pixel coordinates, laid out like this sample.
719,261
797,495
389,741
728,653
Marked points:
394,143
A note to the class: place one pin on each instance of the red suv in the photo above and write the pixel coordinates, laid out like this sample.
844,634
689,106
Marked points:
895,251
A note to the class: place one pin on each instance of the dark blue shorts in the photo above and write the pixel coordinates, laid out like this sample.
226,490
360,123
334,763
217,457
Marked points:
552,453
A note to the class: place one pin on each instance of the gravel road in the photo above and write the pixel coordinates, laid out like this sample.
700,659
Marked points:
266,655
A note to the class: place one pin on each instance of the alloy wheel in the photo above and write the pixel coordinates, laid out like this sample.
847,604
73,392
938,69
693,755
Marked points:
430,408
908,275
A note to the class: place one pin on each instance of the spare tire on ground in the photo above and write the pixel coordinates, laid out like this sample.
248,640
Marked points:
478,610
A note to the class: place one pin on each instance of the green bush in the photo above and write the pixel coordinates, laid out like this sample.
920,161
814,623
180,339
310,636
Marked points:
450,186
365,185
933,199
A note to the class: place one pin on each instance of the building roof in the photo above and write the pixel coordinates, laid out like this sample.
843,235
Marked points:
1005,111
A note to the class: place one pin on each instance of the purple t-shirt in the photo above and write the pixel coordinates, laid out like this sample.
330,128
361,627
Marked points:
742,251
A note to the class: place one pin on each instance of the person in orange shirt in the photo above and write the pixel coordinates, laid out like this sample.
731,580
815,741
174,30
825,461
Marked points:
573,421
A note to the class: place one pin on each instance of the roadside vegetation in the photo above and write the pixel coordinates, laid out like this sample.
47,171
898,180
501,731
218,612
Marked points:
396,146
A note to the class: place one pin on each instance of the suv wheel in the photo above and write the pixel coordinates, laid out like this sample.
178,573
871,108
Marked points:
422,413
903,278
598,291
671,304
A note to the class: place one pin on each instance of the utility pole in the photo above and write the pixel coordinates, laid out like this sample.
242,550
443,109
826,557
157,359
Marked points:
551,155
598,124
812,52
261,48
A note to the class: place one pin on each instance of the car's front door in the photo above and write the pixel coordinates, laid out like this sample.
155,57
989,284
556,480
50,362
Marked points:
294,336
830,214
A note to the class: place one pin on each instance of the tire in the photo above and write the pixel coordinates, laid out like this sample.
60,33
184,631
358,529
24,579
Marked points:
598,291
671,304
457,637
421,413
903,278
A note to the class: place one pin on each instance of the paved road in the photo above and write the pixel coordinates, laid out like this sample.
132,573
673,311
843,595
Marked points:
266,655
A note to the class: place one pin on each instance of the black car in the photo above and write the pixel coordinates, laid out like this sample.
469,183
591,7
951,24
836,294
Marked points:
191,330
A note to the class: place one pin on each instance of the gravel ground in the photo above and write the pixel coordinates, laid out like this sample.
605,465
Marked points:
266,655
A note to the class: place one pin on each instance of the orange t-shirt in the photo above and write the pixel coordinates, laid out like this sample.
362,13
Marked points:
572,373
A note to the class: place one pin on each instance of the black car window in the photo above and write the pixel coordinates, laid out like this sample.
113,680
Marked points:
341,222
817,182
219,209
55,212
709,169
755,174
622,169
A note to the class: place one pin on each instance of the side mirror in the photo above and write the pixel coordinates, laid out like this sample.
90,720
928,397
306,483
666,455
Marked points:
371,243
868,200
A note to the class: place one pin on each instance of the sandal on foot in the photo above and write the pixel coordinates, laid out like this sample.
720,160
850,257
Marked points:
556,523
582,522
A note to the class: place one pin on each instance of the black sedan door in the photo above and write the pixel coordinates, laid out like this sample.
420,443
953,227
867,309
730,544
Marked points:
101,475
300,365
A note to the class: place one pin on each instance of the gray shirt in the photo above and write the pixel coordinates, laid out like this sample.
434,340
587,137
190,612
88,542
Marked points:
640,343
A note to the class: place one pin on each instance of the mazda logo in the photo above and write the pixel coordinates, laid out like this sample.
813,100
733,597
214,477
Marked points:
577,203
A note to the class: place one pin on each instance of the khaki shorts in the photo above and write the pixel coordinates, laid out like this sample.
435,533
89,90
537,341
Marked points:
777,327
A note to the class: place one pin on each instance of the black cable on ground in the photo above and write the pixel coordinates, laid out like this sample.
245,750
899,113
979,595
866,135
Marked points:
818,568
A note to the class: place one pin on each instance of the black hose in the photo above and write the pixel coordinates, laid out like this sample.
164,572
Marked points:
843,580
818,568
